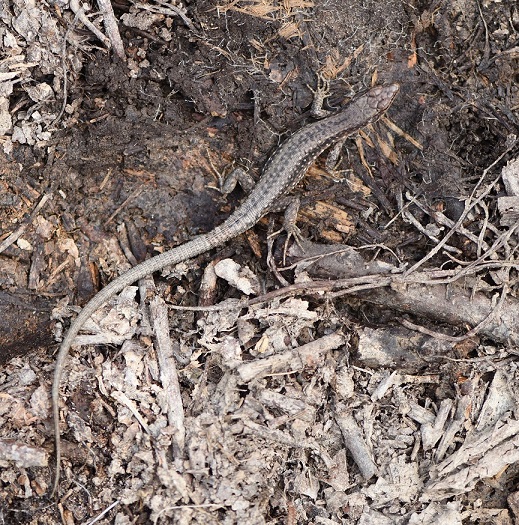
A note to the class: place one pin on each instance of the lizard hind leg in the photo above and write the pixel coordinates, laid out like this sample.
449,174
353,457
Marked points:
237,175
290,205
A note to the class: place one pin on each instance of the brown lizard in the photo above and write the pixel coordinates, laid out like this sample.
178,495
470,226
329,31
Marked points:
281,173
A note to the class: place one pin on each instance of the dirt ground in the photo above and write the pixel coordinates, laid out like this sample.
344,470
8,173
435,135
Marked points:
365,376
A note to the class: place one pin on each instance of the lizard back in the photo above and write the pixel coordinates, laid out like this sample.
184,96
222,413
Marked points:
281,173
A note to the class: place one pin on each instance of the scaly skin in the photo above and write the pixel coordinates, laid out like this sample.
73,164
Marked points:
281,174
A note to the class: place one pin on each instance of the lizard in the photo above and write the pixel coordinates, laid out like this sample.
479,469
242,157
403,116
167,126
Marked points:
281,173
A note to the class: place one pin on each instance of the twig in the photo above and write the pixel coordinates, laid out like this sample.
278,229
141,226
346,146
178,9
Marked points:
80,13
13,237
355,443
441,219
135,193
471,333
182,507
408,216
110,22
168,372
106,511
167,9
466,211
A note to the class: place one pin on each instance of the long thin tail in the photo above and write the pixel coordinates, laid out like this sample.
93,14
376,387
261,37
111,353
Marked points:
190,249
